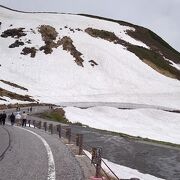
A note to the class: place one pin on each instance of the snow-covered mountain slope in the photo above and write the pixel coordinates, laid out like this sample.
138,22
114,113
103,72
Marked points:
57,58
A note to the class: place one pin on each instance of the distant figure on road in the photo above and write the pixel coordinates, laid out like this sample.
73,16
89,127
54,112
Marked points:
24,119
12,118
3,117
0,118
18,119
30,109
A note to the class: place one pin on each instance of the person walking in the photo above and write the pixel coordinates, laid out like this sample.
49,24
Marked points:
18,119
3,117
24,119
12,118
0,118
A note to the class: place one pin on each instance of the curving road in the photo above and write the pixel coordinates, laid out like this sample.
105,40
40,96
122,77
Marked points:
33,154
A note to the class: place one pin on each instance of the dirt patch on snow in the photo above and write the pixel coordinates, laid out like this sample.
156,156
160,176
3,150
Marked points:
14,85
17,43
14,33
67,44
49,35
11,95
106,35
29,50
93,63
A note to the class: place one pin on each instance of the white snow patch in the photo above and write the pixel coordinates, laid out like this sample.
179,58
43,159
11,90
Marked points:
147,123
119,76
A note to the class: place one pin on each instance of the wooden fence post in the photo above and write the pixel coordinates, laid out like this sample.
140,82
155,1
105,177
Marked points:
80,144
34,123
45,126
59,129
98,164
29,122
51,128
40,124
77,139
68,134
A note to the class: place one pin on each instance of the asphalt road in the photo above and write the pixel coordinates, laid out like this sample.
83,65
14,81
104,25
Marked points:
25,156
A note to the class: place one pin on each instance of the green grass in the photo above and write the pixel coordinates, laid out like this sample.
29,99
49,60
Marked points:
156,60
162,42
106,35
54,116
148,37
57,117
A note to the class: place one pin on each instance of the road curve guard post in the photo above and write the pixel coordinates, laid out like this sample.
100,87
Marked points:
96,160
45,126
59,130
51,128
29,122
77,139
34,123
68,134
40,124
80,144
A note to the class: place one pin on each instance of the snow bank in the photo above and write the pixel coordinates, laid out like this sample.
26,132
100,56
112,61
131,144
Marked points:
147,123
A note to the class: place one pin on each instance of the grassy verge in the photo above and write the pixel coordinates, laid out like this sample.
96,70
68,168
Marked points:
53,116
57,116
140,139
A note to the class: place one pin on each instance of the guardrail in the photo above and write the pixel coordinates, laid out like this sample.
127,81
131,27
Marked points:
64,131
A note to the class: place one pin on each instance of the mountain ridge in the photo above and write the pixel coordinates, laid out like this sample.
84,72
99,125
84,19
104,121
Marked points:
66,36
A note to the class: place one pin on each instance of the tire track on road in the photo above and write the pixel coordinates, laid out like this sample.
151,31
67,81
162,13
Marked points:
9,144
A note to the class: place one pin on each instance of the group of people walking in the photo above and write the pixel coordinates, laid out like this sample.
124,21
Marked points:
20,119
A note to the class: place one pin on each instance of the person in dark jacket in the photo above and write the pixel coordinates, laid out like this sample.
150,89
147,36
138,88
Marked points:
0,118
12,118
24,119
3,117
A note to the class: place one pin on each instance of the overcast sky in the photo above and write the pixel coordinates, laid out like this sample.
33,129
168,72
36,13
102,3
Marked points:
161,16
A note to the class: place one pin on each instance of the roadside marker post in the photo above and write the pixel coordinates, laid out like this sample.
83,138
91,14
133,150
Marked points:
77,139
80,144
96,160
45,126
59,129
29,122
51,128
40,124
68,134
34,123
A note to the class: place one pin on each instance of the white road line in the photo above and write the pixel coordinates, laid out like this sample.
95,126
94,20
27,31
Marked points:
51,163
